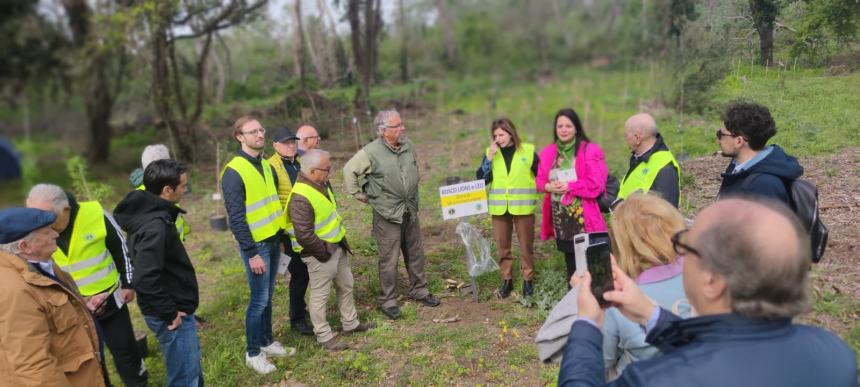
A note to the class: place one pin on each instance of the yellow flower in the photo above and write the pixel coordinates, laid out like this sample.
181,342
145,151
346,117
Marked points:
581,221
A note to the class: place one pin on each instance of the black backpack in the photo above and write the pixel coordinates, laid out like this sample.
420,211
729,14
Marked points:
804,202
803,199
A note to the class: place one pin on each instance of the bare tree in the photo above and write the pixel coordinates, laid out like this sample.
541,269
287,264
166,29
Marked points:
203,18
98,56
365,37
404,42
299,49
451,55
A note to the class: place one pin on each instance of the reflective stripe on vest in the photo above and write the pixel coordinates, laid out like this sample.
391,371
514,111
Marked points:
642,177
328,224
89,262
263,210
182,226
513,192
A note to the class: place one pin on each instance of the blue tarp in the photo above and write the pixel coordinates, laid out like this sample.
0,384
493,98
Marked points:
10,161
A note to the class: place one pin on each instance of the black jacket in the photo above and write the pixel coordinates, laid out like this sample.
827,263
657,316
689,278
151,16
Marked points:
233,189
766,178
164,278
666,182
717,350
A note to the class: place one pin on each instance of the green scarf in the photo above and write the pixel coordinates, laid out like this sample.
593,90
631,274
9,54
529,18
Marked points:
565,150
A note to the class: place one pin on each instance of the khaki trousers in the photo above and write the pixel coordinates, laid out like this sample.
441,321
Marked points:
393,239
322,274
503,227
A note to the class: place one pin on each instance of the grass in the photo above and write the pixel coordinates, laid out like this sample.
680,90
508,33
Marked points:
493,344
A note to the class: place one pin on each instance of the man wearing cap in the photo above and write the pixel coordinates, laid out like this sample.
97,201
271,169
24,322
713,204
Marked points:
47,334
285,161
249,184
92,250
309,138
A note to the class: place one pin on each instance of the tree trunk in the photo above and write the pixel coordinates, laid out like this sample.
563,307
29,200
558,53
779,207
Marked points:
764,16
451,55
359,54
93,79
404,44
299,44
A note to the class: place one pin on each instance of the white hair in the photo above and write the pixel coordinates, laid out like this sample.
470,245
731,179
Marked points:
152,153
312,159
49,193
382,118
12,247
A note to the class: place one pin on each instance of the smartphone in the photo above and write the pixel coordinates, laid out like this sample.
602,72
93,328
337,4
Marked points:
600,267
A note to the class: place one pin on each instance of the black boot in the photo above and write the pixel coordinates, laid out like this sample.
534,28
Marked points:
507,287
528,289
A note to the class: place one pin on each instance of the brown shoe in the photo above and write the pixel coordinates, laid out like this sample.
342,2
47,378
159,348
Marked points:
334,345
363,327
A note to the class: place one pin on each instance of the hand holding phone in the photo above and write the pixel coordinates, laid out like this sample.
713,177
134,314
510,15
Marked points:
600,267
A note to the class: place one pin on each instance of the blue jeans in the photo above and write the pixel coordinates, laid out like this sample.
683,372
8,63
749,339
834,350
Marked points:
258,316
180,349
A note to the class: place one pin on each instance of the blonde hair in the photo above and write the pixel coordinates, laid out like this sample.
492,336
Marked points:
641,233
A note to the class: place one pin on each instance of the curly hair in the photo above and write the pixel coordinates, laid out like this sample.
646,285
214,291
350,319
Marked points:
751,121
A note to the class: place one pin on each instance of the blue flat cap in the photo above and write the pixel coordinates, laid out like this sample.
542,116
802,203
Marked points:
16,223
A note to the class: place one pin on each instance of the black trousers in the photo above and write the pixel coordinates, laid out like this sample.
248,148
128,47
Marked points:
299,280
119,337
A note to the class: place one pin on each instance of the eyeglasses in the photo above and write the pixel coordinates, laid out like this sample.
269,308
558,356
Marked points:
398,126
311,138
720,134
323,169
682,248
256,131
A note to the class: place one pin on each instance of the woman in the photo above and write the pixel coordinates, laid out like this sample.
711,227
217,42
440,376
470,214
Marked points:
642,229
572,173
508,169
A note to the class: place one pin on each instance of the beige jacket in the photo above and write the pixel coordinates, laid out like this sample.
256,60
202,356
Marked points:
47,335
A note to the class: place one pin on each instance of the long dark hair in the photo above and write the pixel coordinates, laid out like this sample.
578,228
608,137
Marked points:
580,131
504,123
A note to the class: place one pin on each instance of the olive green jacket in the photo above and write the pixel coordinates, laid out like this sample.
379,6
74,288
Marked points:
388,177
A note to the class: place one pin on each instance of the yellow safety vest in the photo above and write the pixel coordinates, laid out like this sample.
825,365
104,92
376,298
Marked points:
328,224
263,210
89,262
181,225
284,183
513,192
642,177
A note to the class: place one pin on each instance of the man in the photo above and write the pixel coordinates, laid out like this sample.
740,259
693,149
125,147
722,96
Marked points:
652,166
47,335
746,273
385,174
308,138
755,169
287,166
152,153
92,250
164,277
249,184
319,229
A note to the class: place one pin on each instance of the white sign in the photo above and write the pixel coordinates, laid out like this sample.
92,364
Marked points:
463,199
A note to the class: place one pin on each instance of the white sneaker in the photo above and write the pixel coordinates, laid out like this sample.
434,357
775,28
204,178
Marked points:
259,363
276,349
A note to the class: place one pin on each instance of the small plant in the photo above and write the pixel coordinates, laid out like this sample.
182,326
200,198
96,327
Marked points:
77,169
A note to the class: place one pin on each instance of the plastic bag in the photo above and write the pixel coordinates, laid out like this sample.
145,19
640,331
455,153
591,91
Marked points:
478,258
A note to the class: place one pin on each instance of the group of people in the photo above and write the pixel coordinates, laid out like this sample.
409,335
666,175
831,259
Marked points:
706,305
715,299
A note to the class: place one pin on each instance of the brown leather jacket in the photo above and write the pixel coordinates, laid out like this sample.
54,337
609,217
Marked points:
302,215
47,335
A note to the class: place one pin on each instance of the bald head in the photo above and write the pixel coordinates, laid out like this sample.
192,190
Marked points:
309,138
761,251
640,132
